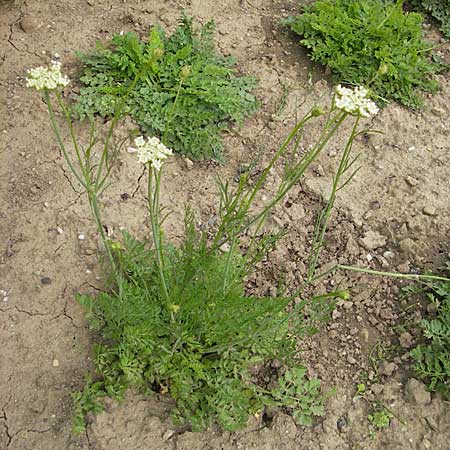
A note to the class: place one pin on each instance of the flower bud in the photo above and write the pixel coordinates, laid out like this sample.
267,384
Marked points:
383,69
185,72
158,53
344,295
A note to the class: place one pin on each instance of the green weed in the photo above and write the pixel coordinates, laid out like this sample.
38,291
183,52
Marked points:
203,347
380,418
439,9
371,43
187,96
432,358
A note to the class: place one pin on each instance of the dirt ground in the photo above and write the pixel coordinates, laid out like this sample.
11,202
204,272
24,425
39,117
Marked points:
393,216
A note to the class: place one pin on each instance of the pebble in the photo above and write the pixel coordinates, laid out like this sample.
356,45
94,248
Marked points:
406,340
81,236
389,255
188,163
387,314
387,368
29,24
411,181
365,334
46,280
407,245
377,389
55,363
333,334
416,392
373,240
429,210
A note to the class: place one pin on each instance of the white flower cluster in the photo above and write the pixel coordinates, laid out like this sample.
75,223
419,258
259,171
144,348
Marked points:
355,101
46,78
152,151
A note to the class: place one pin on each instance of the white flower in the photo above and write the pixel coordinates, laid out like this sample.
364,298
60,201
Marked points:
355,101
152,151
46,78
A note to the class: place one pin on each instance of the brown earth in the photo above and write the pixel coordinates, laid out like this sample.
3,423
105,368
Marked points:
393,216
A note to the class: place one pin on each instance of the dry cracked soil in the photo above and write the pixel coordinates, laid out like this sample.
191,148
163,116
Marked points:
394,216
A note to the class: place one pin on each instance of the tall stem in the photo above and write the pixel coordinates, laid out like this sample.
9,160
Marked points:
153,208
60,141
324,217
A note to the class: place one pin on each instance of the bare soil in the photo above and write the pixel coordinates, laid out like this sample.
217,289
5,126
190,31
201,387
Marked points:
393,216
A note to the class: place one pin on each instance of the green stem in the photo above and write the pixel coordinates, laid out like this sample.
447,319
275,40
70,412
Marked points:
324,217
93,203
406,276
170,115
153,207
60,141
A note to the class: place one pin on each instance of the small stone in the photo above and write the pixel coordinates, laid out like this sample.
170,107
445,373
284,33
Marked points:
225,247
365,334
406,340
55,363
404,267
29,24
373,240
188,163
411,181
387,368
429,210
417,392
81,236
389,255
46,280
432,423
386,314
319,170
439,112
377,389
407,245
336,314
168,434
351,360
333,334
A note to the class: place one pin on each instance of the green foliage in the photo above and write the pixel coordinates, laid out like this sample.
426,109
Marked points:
380,418
206,346
371,43
439,9
432,359
186,94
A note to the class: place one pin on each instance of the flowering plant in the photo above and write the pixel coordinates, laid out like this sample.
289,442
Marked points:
178,318
151,151
47,78
355,101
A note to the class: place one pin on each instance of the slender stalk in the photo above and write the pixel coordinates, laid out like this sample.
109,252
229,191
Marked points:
324,217
153,208
406,276
93,204
84,169
59,139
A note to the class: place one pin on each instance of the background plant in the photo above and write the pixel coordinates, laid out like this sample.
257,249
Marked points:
188,95
370,43
432,358
439,9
